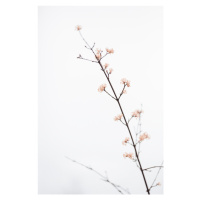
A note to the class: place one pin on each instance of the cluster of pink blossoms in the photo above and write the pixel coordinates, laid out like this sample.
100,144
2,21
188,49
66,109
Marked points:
110,50
137,113
118,117
99,51
128,155
102,87
106,66
98,54
125,141
125,81
143,137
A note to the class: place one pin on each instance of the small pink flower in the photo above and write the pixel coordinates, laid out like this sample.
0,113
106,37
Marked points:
128,83
106,65
78,28
124,155
98,51
125,140
110,50
110,70
159,184
98,56
137,113
124,92
102,87
118,117
125,81
128,155
143,137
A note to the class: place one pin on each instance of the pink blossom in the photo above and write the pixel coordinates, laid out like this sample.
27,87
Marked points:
124,92
128,155
137,113
106,65
110,70
98,56
125,140
78,28
159,184
125,81
118,117
143,137
102,87
128,83
98,51
110,50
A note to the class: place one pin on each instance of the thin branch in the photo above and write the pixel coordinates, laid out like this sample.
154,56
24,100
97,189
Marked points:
122,122
139,131
104,56
139,149
122,91
109,94
87,59
129,143
93,45
152,167
152,185
130,119
84,40
104,178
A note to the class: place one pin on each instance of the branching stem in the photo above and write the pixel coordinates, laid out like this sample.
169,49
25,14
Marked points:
120,107
104,178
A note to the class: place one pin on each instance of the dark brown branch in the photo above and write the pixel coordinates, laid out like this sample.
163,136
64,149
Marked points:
136,153
128,130
104,178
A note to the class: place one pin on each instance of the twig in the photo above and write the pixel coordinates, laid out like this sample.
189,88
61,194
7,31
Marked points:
152,167
122,91
104,56
122,122
130,119
93,45
87,59
152,185
109,94
104,178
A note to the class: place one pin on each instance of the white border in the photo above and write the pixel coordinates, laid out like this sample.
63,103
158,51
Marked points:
18,84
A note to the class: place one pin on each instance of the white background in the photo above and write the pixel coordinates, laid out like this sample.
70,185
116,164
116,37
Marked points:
19,99
75,120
